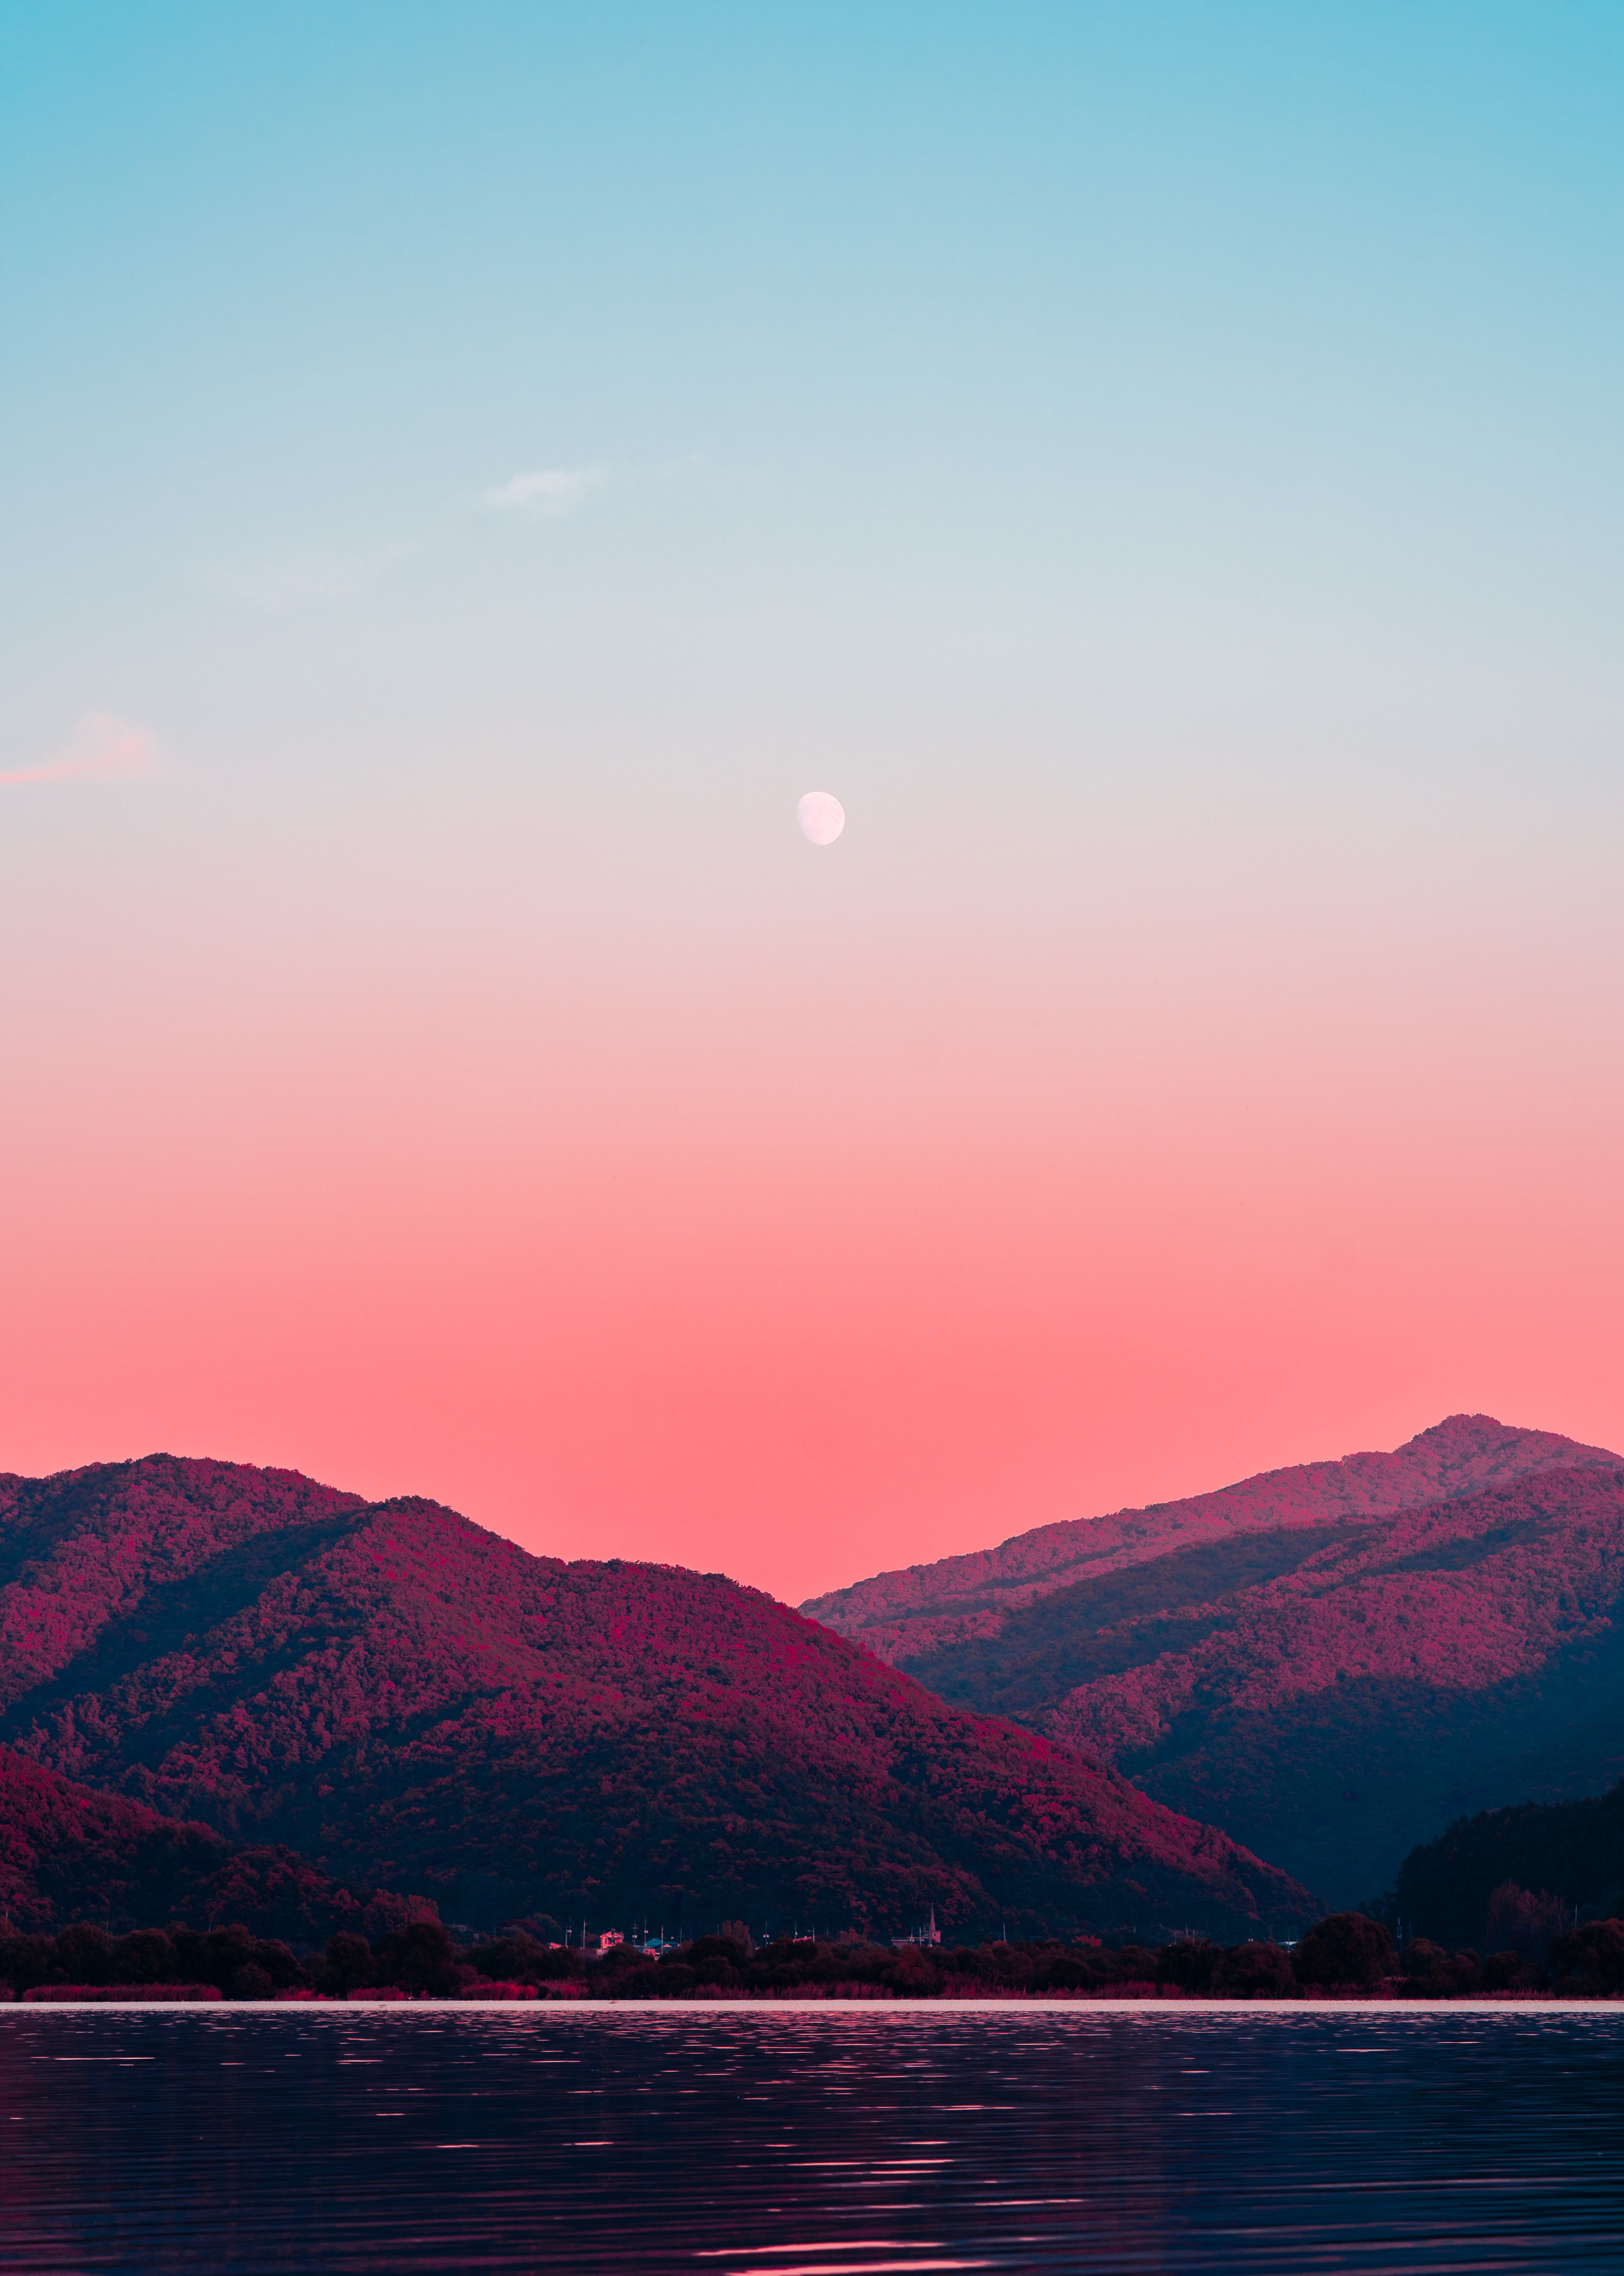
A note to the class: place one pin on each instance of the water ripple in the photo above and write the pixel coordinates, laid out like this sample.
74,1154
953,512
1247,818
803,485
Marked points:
859,2142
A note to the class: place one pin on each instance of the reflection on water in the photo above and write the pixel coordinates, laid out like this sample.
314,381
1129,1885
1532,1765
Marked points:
810,2142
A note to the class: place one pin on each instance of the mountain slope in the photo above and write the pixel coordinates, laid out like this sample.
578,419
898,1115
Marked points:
930,1609
69,1854
1334,1695
412,1700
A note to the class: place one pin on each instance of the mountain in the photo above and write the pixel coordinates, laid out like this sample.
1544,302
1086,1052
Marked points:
909,1616
409,1700
67,1852
1335,1690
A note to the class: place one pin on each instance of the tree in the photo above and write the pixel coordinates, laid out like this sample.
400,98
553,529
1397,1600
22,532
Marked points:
1188,1962
1069,1973
910,1973
84,1952
1591,1956
1434,1974
1347,1949
26,1961
625,1973
420,1957
518,1958
1521,1922
348,1966
273,1959
145,1956
1254,1971
715,1959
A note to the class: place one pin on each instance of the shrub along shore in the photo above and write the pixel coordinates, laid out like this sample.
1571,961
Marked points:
1349,1955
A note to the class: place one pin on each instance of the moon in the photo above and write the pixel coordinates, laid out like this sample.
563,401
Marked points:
821,817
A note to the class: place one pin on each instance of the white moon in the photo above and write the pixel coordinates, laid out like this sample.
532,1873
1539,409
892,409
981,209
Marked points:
821,817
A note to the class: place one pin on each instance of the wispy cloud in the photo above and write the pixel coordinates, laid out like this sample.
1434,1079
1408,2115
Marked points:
104,749
547,490
311,576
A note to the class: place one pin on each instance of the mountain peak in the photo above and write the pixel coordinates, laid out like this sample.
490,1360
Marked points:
920,1608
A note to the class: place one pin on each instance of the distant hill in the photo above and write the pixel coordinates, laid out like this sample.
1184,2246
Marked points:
909,1615
68,1854
1334,1691
411,1701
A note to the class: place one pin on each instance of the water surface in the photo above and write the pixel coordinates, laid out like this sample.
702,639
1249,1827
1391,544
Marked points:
810,2140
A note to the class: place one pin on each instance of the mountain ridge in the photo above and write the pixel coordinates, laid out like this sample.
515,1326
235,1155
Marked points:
1334,1694
408,1699
903,1614
1459,1658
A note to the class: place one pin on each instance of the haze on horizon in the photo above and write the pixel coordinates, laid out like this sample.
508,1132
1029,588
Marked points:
469,473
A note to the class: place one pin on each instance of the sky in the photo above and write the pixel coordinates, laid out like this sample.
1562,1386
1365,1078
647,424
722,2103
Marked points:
468,470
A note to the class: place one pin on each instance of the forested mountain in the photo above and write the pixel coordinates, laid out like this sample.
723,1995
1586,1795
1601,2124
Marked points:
912,1616
411,1701
1334,1694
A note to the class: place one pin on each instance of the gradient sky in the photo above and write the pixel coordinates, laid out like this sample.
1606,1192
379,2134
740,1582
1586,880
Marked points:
469,469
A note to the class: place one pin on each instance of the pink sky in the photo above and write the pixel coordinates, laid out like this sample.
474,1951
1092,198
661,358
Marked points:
671,1188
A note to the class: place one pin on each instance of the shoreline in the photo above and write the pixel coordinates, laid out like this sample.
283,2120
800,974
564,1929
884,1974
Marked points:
1517,2004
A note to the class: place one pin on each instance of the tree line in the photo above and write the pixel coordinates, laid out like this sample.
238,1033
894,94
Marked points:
1347,1952
1568,1856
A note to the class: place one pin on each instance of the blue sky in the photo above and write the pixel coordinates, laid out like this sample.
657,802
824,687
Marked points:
1258,349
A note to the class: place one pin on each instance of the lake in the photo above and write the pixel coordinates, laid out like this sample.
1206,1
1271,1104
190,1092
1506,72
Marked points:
811,2140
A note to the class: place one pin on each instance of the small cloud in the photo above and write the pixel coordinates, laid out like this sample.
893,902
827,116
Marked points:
104,749
548,490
